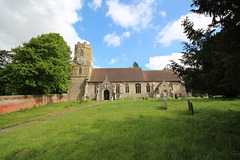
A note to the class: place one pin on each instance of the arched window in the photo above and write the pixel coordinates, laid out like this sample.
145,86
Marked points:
138,88
81,52
117,88
148,88
95,89
126,88
80,71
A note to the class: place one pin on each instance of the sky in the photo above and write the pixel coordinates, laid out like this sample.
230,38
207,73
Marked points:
120,31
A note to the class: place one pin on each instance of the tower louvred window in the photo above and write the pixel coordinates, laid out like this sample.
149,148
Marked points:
80,71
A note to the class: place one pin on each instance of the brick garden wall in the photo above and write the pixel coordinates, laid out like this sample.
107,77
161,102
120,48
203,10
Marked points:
15,103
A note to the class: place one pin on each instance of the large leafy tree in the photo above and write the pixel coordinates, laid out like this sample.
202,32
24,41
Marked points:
5,57
41,66
211,59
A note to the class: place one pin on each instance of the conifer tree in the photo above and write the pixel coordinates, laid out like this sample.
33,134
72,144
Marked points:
211,60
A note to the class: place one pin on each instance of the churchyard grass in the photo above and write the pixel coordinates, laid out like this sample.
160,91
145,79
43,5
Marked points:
35,113
132,130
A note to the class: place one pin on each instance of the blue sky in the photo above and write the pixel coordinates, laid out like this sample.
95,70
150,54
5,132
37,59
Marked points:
120,31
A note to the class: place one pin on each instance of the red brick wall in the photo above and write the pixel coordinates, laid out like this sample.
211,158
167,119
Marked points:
15,103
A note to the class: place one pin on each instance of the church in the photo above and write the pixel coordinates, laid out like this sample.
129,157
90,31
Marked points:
114,83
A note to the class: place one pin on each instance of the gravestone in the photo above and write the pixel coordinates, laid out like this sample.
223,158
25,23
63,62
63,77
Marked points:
165,102
190,107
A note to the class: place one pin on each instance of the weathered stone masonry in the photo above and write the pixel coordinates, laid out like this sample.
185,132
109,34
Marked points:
113,83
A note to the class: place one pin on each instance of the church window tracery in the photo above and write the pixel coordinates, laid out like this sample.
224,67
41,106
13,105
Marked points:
148,88
117,88
138,88
126,88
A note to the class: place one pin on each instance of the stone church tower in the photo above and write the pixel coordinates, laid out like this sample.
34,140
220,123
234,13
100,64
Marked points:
83,64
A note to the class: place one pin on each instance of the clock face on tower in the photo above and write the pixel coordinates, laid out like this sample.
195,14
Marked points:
80,61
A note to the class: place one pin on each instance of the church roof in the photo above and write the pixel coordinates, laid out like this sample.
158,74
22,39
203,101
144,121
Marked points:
117,74
132,75
160,75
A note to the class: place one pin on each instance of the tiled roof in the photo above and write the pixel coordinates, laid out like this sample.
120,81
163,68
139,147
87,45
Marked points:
131,75
160,75
117,74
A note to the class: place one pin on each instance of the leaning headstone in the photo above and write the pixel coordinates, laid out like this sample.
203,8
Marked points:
146,98
142,98
134,99
191,108
165,102
189,105
161,97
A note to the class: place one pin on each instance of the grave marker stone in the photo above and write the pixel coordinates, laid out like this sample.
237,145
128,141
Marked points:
191,108
165,102
189,105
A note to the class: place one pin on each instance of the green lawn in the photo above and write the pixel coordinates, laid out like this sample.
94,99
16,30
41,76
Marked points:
35,113
132,130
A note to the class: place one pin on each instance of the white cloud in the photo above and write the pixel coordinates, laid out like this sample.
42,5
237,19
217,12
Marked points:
94,66
126,34
163,14
159,62
174,30
137,16
95,4
112,39
113,61
115,40
22,20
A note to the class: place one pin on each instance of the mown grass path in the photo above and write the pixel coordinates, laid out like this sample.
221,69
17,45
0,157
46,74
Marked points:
55,115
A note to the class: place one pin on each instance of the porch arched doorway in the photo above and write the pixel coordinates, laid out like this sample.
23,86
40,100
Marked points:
165,93
106,95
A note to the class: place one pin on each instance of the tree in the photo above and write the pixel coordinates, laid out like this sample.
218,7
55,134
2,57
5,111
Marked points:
167,67
135,65
41,66
5,57
212,58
